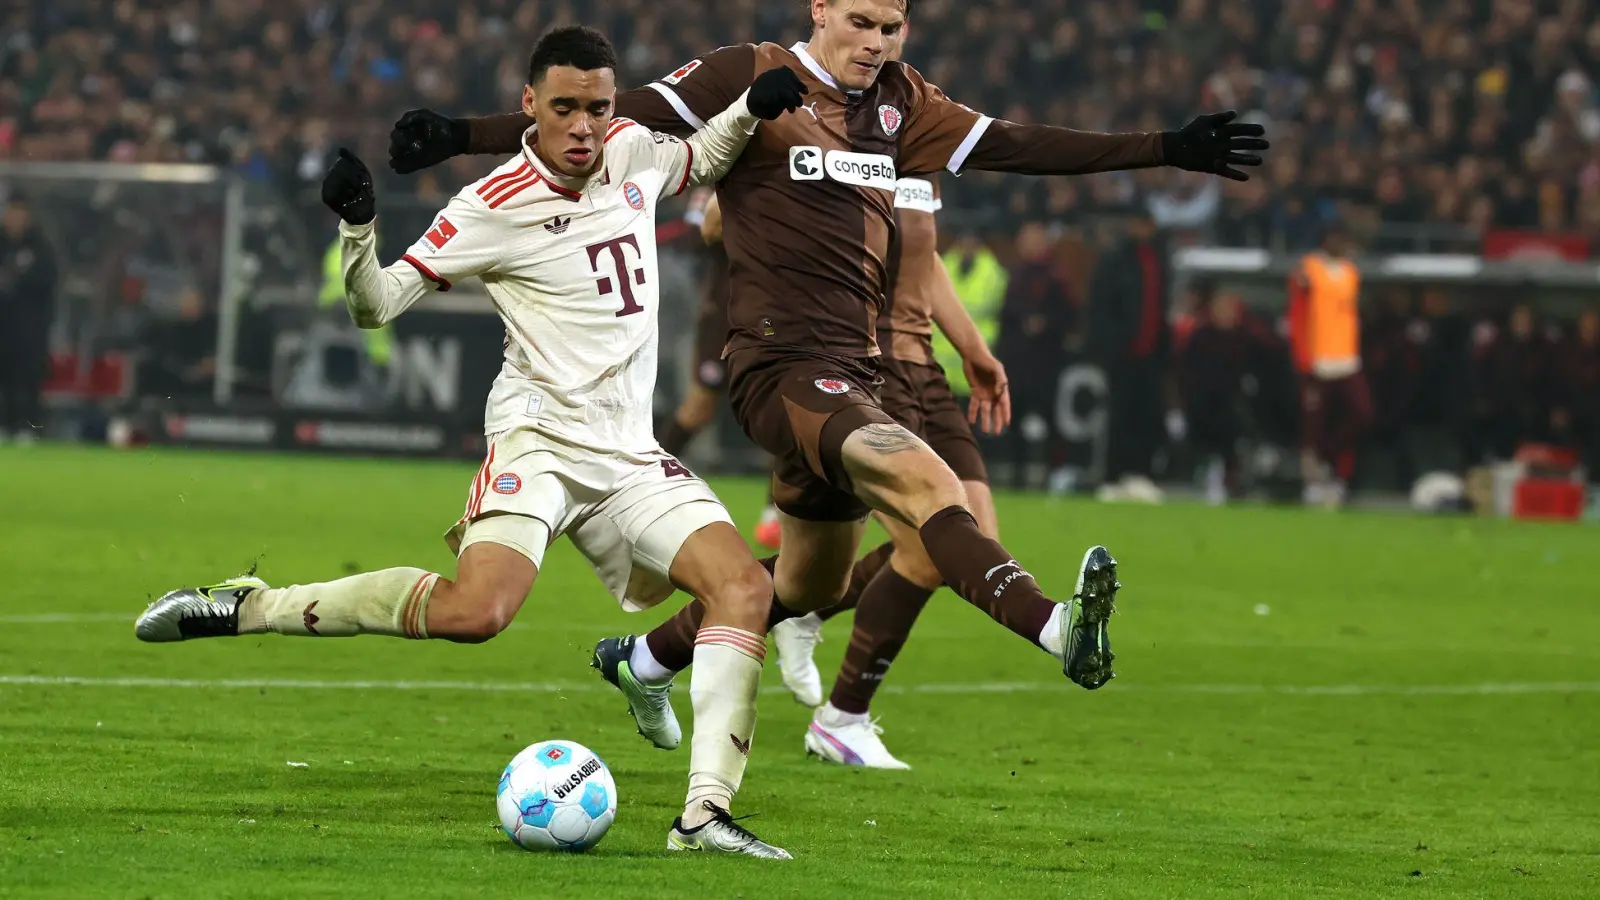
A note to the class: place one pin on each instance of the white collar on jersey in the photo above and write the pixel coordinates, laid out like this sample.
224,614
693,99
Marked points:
564,185
806,59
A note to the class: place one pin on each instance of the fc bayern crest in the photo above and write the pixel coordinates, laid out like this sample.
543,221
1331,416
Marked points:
890,119
832,386
634,195
508,483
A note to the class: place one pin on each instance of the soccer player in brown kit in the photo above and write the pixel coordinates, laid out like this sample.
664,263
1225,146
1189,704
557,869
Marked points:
809,213
711,333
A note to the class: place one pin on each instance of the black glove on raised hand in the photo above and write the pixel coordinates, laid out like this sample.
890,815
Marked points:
1214,144
424,138
775,92
347,189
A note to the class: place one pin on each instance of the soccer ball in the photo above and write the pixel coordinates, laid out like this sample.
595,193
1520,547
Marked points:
556,795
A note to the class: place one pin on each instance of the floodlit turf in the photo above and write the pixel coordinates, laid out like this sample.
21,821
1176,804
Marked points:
1311,705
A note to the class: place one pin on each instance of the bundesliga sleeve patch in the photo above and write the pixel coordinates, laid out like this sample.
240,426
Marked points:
682,73
440,234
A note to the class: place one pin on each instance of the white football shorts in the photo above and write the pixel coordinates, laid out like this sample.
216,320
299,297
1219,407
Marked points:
627,515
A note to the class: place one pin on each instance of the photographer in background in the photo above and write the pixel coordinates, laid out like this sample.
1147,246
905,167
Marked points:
27,307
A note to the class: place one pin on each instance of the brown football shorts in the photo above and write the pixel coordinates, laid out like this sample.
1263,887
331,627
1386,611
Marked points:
800,407
919,397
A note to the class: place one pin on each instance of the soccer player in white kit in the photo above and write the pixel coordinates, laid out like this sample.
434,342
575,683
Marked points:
563,238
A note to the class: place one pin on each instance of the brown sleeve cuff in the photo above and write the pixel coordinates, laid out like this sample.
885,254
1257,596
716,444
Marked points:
1049,150
497,134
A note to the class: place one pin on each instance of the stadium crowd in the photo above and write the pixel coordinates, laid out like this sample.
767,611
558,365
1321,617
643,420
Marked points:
1455,115
1455,112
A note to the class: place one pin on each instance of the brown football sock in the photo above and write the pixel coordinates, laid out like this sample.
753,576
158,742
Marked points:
672,642
675,437
866,568
984,574
889,607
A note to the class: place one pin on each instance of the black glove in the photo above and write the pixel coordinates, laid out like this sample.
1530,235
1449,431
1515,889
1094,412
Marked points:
347,189
775,92
424,138
1214,145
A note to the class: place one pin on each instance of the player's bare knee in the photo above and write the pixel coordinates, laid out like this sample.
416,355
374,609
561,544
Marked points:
484,614
483,625
925,489
746,594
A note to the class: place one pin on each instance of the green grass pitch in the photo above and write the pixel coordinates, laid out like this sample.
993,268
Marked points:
1310,705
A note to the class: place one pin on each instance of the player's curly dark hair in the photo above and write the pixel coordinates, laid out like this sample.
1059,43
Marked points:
578,46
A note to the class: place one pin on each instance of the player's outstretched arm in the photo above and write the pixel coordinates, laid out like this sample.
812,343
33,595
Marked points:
678,104
1212,143
943,134
375,296
423,138
714,149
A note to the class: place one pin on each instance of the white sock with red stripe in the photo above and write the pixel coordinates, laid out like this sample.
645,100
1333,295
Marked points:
392,602
727,672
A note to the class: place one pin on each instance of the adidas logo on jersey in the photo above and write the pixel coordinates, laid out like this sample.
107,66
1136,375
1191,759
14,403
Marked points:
558,225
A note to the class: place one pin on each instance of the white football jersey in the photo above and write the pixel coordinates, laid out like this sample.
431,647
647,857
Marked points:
574,276
570,267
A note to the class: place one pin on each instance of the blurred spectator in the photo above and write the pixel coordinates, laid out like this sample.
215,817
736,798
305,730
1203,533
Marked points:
1223,353
1518,394
1325,336
1034,321
1128,331
1447,111
1581,384
27,306
179,351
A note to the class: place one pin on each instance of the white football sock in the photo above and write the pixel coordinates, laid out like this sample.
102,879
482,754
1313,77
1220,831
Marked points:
392,602
1050,637
727,673
646,667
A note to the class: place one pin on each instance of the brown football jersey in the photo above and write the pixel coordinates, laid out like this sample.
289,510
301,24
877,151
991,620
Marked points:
906,331
809,209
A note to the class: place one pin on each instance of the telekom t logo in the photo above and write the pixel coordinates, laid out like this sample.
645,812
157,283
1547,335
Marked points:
624,283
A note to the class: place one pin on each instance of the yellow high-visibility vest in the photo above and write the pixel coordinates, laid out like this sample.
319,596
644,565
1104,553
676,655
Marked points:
379,341
982,288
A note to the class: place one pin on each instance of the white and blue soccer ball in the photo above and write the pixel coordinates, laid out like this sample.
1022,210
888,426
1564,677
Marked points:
556,795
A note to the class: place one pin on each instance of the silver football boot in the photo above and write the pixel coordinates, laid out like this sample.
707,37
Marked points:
211,611
723,834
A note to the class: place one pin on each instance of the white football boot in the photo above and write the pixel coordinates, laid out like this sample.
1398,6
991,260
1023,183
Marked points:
796,641
650,705
849,740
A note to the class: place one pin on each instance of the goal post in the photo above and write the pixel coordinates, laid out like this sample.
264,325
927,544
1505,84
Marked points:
132,239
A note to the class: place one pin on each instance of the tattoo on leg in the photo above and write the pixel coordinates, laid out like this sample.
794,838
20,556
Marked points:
887,439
